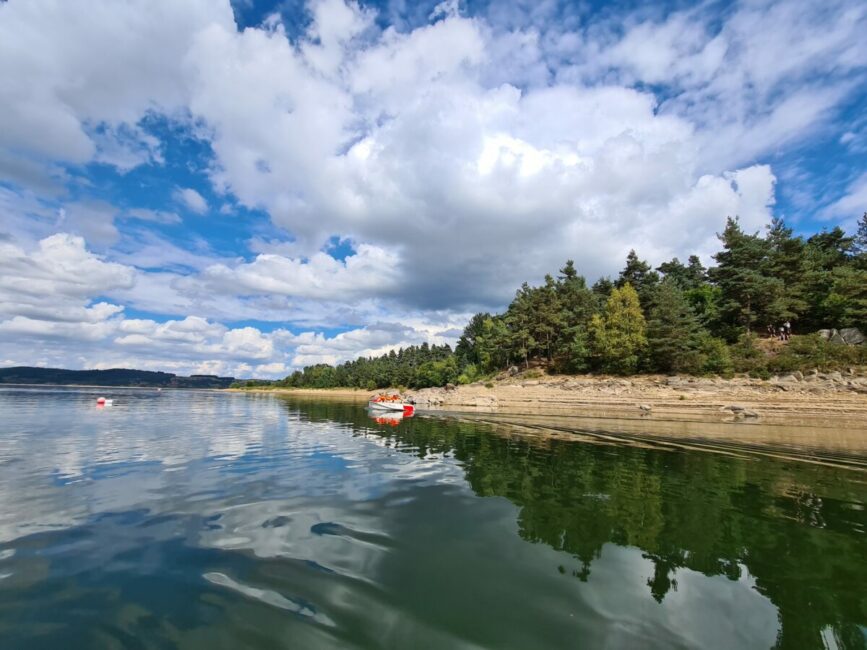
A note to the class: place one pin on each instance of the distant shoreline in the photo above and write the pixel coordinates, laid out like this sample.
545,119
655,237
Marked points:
109,387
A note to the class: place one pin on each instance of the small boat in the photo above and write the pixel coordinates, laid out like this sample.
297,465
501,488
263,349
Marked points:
391,403
101,401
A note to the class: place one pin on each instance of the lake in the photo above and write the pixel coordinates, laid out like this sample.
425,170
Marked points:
182,519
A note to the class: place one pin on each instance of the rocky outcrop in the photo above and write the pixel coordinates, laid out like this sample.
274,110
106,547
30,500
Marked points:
852,336
844,336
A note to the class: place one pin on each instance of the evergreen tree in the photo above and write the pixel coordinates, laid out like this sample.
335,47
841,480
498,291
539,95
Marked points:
693,275
859,246
618,338
822,281
696,274
577,305
638,273
749,296
676,272
467,347
846,303
824,252
786,263
673,331
518,320
602,289
548,315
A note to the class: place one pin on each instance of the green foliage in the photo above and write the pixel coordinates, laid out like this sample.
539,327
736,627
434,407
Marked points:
673,331
639,275
746,356
468,349
689,277
846,302
786,263
704,301
859,246
715,355
436,373
749,295
252,383
618,338
812,351
802,353
470,374
416,366
692,312
824,253
578,351
602,289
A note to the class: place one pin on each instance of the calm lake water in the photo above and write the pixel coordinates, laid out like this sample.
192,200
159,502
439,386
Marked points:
209,520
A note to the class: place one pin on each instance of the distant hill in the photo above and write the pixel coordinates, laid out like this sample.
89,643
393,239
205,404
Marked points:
112,377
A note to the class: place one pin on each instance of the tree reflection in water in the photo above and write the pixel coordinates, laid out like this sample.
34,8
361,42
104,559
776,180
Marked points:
797,528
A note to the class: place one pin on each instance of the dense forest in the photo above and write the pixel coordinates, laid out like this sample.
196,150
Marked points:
677,318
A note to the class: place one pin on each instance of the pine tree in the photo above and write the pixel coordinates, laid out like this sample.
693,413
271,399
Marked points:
618,338
846,303
786,263
693,275
673,331
639,274
602,288
824,252
467,347
860,245
548,316
696,274
748,294
518,319
577,304
675,271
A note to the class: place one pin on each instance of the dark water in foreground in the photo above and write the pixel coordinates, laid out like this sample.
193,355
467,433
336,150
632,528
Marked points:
204,520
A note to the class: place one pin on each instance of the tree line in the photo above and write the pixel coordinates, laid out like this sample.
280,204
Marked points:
675,318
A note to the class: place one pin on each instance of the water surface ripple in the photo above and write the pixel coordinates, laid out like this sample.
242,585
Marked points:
181,519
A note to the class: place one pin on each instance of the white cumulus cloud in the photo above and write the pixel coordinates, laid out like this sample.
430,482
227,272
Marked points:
458,156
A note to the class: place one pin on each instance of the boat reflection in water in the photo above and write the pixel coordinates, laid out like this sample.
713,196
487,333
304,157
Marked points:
389,418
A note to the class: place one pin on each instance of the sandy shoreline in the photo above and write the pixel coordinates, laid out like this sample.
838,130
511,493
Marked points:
822,414
832,396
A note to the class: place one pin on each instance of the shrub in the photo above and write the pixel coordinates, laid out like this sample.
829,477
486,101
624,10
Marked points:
812,351
716,358
746,357
470,374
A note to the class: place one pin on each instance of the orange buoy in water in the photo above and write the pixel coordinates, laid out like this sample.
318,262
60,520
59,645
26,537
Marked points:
100,400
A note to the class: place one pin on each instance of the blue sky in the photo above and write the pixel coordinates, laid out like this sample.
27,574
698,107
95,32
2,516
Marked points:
249,187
